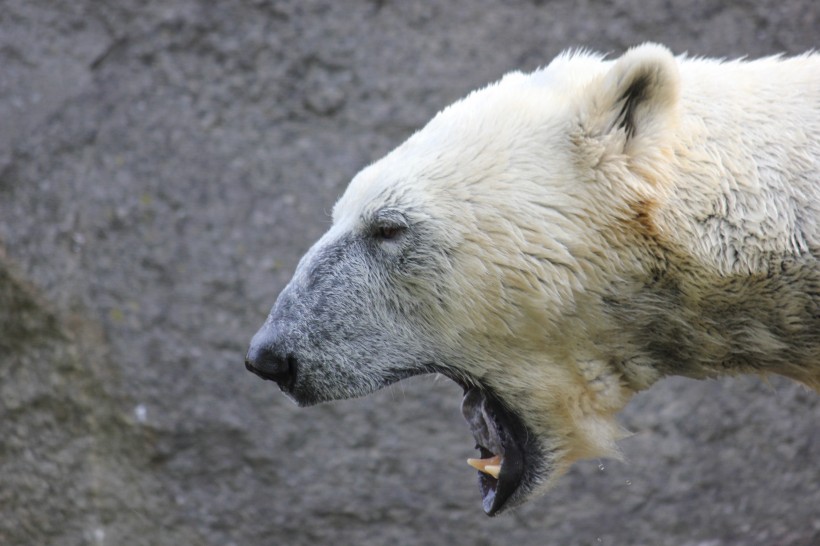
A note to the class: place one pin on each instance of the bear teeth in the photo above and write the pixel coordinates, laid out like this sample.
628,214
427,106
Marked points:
491,465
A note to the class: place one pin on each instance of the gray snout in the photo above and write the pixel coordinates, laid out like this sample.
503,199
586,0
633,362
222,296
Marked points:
266,359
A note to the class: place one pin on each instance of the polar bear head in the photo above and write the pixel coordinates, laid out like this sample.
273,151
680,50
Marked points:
478,249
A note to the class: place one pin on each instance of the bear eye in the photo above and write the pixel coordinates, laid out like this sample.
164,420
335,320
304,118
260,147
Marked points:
388,225
388,232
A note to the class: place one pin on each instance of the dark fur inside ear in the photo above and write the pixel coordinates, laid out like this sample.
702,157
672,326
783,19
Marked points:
634,95
637,97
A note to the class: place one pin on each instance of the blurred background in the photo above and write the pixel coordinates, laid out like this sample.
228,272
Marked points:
163,165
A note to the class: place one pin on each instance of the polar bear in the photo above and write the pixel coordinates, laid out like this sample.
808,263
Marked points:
560,240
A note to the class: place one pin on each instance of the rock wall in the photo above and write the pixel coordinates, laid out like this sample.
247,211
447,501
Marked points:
163,165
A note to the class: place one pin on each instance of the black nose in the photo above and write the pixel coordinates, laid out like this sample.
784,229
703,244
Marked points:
268,363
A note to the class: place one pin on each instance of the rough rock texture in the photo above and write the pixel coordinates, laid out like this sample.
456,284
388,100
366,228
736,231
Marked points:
164,163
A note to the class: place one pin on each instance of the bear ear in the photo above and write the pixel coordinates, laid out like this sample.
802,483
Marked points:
637,98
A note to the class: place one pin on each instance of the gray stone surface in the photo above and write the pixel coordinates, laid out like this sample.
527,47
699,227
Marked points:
163,164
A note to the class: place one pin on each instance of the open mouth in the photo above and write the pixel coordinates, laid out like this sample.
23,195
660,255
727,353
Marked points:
503,443
510,461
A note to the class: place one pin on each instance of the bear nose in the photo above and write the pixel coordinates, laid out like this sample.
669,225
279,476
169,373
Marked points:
269,363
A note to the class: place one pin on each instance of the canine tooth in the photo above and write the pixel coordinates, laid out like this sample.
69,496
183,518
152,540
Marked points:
491,466
476,463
